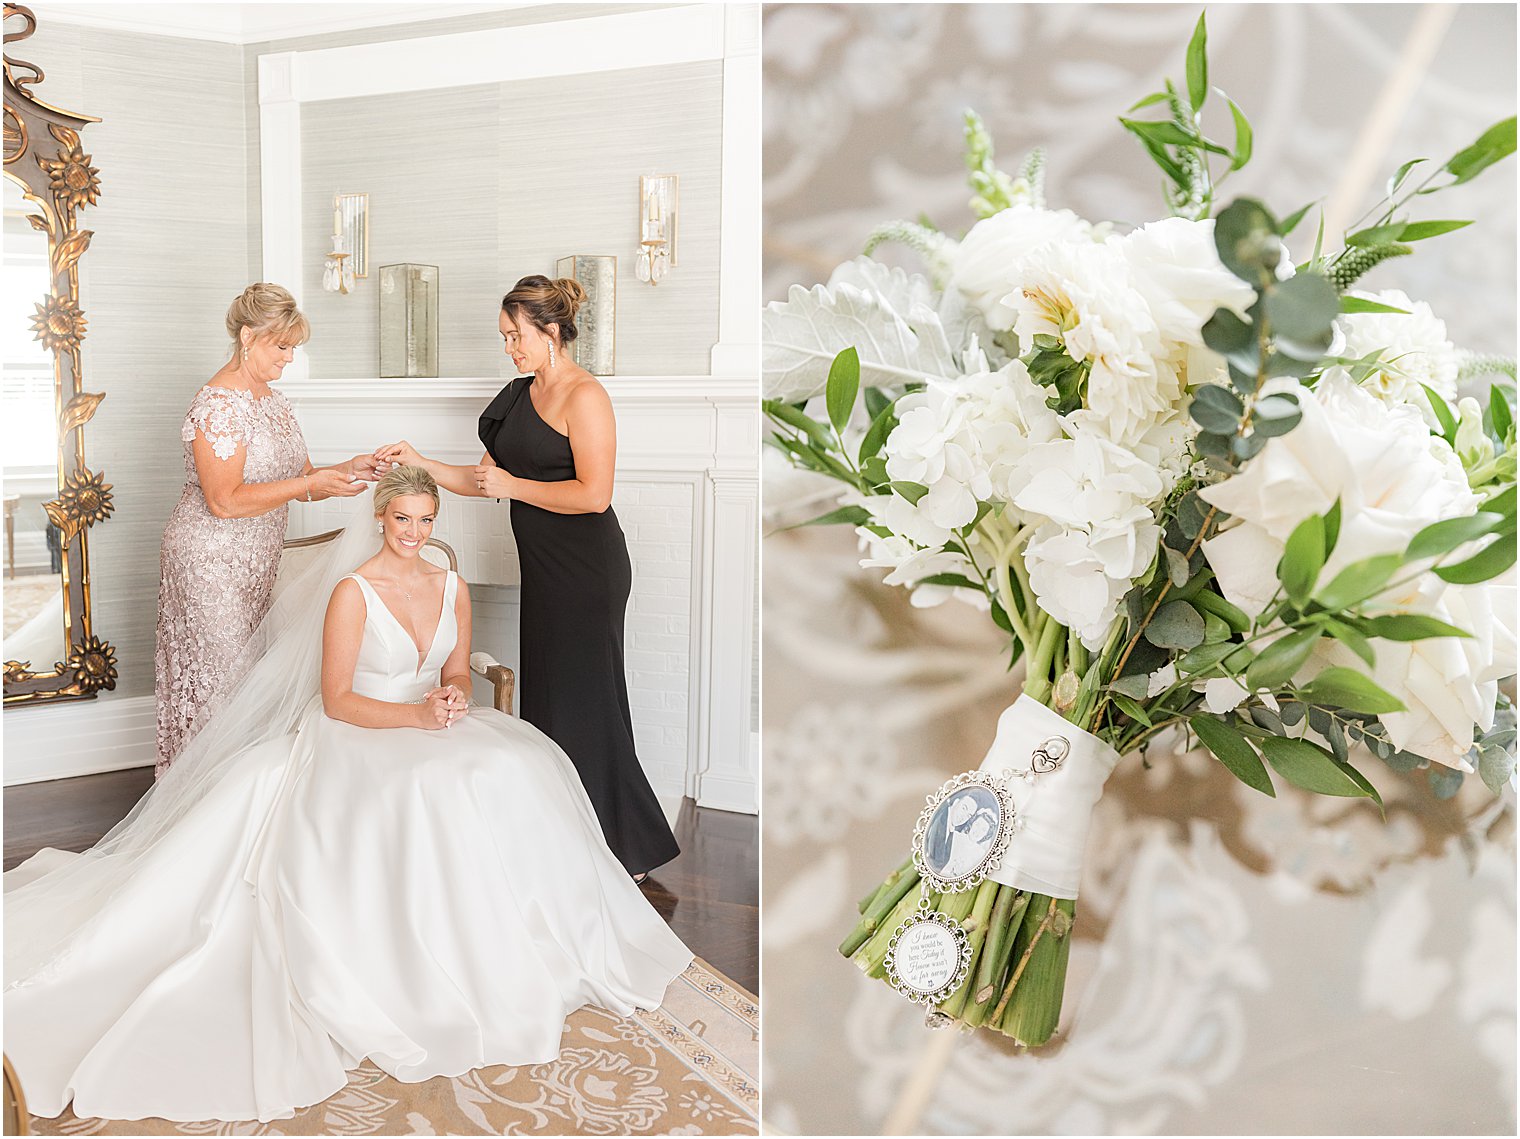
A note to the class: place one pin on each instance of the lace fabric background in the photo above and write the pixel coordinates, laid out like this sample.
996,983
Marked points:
1241,965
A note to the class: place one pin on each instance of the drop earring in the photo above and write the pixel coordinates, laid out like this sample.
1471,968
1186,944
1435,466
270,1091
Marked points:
551,353
379,527
245,353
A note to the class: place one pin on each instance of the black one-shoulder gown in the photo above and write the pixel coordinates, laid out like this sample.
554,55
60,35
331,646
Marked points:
575,581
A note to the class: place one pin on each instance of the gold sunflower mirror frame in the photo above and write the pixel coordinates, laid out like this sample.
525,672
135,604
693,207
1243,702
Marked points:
45,161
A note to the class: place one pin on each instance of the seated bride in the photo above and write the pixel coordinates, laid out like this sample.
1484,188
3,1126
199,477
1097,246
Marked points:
347,861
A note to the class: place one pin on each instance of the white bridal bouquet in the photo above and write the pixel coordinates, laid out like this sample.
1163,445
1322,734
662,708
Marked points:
1202,488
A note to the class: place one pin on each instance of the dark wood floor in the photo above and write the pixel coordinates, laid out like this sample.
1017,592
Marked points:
709,894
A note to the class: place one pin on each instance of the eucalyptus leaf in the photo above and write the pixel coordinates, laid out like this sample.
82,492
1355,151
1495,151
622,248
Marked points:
1216,409
1276,415
1176,566
1176,625
1226,333
1132,686
1310,767
1245,235
1444,781
1234,751
1302,310
1495,766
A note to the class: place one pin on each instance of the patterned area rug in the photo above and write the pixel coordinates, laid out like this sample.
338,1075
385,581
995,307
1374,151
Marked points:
688,1068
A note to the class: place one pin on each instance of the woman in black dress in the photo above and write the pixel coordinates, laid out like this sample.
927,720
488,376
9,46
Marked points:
551,446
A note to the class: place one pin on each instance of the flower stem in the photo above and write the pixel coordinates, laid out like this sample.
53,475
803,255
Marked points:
892,891
1007,918
1037,679
976,927
865,903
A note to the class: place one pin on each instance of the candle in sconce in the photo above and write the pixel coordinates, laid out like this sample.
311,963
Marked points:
337,222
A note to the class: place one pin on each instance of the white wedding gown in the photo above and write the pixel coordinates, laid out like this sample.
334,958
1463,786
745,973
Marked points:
433,900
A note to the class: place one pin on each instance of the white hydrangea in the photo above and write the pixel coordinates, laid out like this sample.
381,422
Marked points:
1414,350
1099,530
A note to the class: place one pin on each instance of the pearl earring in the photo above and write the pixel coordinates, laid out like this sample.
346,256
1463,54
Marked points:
379,527
245,353
551,353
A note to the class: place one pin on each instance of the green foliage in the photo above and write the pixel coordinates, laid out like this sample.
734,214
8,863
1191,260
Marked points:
992,190
1313,768
1234,751
1050,367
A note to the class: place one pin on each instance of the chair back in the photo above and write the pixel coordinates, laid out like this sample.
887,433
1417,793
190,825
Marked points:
17,1120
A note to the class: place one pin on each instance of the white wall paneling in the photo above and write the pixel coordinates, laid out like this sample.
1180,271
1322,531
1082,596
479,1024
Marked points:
687,497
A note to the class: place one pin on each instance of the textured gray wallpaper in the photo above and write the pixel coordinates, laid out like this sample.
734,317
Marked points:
492,183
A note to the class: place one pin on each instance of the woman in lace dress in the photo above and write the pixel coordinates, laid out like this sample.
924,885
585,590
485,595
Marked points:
245,459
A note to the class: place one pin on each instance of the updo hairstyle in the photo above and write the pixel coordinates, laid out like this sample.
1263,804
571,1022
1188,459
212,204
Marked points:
545,302
399,482
264,308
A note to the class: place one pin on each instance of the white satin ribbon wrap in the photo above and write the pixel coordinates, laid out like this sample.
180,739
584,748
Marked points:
1044,855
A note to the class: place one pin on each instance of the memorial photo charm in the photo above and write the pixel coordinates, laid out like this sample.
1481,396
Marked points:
962,831
928,957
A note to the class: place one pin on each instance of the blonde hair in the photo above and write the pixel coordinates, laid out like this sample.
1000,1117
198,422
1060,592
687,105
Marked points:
399,482
545,302
265,308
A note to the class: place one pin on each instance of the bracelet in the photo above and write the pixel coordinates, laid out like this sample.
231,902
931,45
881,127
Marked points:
308,487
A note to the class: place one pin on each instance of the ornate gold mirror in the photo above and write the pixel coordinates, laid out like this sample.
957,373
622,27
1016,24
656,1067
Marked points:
52,497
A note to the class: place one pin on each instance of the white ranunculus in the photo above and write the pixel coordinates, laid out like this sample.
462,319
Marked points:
987,265
1414,350
1177,270
1392,476
1084,295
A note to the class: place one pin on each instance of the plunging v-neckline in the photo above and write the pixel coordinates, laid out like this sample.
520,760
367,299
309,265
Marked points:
422,654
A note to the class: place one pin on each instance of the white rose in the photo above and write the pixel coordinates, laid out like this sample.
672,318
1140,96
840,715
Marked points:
987,263
1393,479
1177,270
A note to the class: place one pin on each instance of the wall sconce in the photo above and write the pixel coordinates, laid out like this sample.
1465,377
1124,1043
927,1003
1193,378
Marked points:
659,203
349,257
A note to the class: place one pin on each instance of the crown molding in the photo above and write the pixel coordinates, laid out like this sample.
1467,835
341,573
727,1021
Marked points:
239,23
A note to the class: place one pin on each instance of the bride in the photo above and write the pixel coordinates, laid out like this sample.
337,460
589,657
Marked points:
347,861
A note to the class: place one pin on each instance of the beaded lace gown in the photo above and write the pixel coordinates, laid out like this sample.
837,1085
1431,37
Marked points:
434,900
216,575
